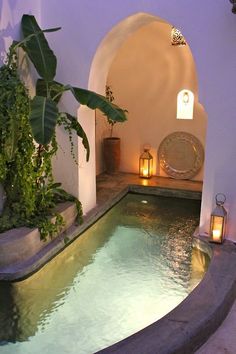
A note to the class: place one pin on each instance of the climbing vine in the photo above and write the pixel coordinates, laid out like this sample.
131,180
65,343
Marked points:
25,167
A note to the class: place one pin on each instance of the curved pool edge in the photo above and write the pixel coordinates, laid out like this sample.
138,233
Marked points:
189,325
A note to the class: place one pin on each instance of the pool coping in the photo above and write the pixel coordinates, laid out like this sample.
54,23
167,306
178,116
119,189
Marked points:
188,326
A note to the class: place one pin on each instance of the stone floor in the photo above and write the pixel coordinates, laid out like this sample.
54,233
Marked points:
223,341
156,181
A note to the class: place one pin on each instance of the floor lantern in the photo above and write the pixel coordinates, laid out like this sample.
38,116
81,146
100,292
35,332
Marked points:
218,220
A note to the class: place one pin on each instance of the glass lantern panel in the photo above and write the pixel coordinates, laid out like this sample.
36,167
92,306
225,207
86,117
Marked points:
217,228
145,168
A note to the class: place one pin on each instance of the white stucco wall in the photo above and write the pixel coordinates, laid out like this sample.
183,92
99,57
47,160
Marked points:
209,28
145,76
10,17
210,31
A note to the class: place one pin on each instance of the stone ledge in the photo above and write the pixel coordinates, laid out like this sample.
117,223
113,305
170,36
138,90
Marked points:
19,245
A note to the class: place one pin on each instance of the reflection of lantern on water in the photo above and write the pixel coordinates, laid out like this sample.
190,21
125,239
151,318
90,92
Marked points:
199,264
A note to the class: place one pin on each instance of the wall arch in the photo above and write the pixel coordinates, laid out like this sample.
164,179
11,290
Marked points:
101,63
146,75
111,43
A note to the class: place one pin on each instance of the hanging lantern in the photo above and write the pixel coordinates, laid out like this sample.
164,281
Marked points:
145,164
218,220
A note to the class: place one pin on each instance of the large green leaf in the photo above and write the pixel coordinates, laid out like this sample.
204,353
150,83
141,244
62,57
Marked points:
16,44
37,48
43,119
74,124
52,89
96,101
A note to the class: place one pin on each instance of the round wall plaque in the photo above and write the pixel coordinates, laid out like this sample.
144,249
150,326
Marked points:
181,155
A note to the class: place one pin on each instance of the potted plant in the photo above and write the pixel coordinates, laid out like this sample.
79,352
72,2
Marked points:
111,144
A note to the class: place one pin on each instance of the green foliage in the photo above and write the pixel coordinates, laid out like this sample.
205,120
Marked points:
69,122
43,121
48,228
37,48
110,98
17,172
25,167
43,117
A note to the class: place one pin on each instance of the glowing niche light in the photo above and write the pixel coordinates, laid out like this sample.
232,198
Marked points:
185,102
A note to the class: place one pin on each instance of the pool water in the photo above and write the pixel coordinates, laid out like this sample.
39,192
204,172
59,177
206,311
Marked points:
128,270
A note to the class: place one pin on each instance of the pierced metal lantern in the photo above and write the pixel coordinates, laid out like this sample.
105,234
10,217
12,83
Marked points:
177,38
145,164
218,220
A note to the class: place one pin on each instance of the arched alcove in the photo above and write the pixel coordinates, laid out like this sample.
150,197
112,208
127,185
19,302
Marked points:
100,67
146,73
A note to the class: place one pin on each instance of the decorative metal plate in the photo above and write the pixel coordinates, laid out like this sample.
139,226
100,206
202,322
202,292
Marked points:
181,155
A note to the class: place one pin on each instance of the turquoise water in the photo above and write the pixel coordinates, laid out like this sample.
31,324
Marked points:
128,270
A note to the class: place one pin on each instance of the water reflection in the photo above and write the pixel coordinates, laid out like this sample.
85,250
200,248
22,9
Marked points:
129,269
26,304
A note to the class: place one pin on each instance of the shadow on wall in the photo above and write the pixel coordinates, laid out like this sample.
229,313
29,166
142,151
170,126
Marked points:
10,17
10,24
8,28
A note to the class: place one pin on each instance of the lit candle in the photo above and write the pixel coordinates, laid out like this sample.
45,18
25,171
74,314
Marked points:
145,172
216,235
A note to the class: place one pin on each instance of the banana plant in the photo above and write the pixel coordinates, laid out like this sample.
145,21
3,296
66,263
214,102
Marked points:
45,114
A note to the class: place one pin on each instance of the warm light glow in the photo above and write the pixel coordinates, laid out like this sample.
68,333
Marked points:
145,164
217,227
216,235
186,97
144,181
185,103
145,172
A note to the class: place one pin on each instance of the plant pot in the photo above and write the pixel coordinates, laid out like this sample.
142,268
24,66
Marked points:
111,154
